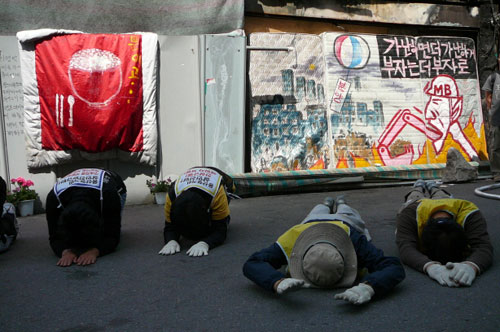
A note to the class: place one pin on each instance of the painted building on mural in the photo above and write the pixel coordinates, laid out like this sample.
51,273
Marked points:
357,113
363,100
295,118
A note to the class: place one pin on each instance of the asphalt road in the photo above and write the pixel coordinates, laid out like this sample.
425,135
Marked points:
135,289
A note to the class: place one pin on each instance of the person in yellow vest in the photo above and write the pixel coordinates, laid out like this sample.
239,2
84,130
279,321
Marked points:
443,237
326,251
197,208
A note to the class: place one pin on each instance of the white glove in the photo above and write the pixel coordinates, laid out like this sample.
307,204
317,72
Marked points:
289,284
199,249
359,294
461,273
441,274
170,248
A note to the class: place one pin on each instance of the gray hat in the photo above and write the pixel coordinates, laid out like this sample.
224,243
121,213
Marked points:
324,256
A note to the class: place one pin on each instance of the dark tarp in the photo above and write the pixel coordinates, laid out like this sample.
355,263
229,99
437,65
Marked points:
167,17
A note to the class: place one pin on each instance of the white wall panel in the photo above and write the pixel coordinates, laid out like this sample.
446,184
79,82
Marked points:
12,94
181,86
180,115
224,86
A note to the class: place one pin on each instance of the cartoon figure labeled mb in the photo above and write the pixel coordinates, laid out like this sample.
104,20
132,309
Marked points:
442,114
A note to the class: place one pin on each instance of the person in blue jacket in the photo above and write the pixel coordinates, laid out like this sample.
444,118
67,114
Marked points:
326,250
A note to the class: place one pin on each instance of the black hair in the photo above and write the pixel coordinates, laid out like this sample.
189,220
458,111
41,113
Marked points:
3,191
81,223
444,240
190,214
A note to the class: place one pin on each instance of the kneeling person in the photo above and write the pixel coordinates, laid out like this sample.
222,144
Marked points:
326,251
84,215
197,208
443,237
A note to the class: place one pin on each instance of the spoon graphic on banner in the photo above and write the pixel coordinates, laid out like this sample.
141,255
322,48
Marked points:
71,102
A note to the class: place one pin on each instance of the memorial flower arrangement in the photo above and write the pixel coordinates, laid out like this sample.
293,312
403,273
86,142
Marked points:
22,191
159,186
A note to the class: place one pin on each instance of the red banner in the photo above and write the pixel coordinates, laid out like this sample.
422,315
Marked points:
91,92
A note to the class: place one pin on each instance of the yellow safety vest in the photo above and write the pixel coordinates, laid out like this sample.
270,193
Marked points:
459,209
219,207
288,239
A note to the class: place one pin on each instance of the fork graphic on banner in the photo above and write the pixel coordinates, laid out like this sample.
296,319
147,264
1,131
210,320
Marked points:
60,110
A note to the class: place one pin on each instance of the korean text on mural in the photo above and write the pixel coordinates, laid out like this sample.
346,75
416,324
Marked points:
425,57
342,87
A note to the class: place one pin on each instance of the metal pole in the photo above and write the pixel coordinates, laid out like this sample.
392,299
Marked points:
261,48
4,158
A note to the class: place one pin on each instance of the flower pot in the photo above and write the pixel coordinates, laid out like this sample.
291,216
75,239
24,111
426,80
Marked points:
26,207
161,198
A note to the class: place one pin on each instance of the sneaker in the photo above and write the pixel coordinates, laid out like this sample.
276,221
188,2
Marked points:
429,184
340,200
420,184
434,187
330,202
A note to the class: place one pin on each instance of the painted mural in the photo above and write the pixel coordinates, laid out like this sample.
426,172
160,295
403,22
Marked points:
288,103
345,101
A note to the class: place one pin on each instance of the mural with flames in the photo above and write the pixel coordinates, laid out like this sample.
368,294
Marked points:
345,101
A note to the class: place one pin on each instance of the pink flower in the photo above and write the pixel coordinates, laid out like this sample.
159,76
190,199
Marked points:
22,183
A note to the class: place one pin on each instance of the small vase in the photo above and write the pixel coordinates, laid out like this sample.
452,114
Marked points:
161,198
26,207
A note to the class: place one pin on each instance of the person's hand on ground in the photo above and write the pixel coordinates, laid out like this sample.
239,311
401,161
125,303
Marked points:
441,274
462,273
170,248
288,284
68,257
199,249
359,294
88,257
